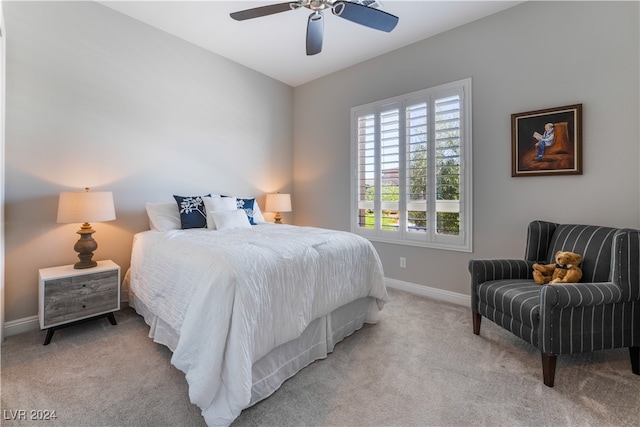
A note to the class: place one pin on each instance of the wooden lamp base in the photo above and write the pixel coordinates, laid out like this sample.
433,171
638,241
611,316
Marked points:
85,247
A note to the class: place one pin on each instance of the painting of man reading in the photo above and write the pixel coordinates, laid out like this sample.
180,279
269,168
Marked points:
547,142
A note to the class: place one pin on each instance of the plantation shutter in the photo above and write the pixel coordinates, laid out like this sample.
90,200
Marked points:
447,165
416,176
389,169
366,170
411,182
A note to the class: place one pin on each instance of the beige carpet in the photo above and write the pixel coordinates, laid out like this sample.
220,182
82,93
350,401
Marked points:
419,366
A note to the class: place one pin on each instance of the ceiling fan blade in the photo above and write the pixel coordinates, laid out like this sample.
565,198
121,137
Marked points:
364,15
315,30
257,12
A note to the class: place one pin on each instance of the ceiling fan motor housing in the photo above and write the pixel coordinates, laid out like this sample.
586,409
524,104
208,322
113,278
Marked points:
317,5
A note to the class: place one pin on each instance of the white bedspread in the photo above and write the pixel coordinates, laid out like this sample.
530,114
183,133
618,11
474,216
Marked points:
235,295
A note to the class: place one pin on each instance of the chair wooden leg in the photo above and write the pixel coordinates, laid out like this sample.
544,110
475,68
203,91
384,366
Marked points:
476,322
634,352
548,368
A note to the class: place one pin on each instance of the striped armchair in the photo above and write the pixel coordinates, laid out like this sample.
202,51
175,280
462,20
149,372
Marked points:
602,312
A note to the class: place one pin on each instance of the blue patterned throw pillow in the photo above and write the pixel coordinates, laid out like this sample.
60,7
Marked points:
248,206
251,208
192,211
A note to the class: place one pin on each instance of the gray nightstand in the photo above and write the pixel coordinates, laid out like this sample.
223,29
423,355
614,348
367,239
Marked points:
69,295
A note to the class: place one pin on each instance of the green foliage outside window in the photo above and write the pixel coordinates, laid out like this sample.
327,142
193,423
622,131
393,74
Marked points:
448,185
448,188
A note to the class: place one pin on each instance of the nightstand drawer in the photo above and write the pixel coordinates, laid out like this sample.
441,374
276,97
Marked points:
68,294
73,287
57,310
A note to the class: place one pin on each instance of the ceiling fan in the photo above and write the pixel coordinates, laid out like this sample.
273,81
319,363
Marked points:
354,12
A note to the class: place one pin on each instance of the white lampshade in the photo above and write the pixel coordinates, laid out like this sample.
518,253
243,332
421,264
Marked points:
278,203
86,206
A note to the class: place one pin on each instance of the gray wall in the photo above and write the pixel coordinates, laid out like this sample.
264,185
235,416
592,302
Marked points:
97,99
533,56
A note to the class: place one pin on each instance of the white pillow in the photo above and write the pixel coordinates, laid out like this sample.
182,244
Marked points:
163,216
227,220
257,214
218,204
222,204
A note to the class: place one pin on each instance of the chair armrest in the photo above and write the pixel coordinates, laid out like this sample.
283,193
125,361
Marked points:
569,295
579,317
483,270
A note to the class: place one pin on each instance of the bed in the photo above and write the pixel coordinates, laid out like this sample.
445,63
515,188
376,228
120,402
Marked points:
245,309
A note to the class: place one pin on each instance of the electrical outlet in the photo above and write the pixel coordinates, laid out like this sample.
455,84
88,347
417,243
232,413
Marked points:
403,262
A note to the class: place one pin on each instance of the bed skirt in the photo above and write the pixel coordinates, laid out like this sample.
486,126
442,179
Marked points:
284,361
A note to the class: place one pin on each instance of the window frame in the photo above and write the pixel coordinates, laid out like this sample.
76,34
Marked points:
431,239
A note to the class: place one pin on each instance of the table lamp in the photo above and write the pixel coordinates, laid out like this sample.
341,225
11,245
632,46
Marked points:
85,207
278,203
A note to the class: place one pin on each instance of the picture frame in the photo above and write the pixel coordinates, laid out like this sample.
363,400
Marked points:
561,153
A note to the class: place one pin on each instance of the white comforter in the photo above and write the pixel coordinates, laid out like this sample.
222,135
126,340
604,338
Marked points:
235,295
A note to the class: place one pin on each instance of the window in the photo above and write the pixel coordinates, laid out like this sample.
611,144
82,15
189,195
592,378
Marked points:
411,158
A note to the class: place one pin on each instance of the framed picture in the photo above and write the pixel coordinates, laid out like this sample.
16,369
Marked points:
547,142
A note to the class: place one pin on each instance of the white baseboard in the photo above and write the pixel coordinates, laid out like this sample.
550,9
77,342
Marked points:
426,291
18,326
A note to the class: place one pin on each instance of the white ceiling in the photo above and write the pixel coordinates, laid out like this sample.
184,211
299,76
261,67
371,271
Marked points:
275,45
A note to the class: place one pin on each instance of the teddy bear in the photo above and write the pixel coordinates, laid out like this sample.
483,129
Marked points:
565,270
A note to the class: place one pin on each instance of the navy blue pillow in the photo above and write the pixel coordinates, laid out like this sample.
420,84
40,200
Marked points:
192,211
